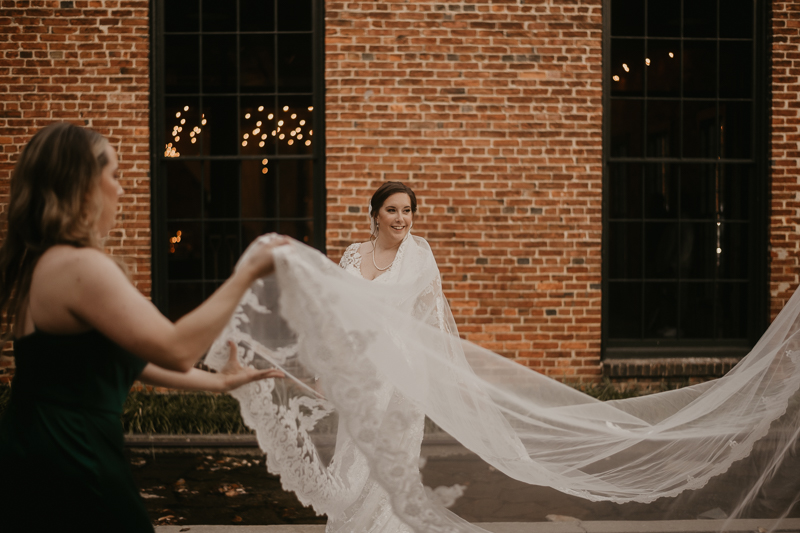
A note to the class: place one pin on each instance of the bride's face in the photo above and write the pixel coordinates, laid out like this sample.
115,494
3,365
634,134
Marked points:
394,218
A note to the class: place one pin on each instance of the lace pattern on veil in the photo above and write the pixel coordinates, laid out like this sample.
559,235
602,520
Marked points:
313,319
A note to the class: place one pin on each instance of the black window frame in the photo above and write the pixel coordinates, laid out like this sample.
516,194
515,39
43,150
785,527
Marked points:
158,195
758,288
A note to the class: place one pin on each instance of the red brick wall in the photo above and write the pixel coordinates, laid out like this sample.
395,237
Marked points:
492,112
84,62
785,154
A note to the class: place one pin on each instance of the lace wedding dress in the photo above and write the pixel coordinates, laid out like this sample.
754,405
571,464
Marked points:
387,351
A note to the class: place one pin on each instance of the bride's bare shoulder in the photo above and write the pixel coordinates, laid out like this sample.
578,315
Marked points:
363,247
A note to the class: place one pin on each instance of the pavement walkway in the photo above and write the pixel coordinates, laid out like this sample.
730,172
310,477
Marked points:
790,525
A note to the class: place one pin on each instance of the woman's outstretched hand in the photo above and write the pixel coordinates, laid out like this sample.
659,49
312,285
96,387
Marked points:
257,260
234,375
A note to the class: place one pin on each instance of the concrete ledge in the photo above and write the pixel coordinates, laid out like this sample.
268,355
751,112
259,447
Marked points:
236,441
789,525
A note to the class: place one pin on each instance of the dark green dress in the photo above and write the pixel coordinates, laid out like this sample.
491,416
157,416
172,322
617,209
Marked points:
61,443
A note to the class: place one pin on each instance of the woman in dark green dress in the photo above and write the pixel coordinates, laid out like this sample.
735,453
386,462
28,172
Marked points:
82,334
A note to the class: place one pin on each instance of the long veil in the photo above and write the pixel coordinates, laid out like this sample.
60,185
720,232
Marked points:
343,341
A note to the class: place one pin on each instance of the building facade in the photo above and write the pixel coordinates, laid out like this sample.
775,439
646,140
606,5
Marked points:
609,186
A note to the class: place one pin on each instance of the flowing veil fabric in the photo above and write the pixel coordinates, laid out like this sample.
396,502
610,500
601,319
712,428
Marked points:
364,359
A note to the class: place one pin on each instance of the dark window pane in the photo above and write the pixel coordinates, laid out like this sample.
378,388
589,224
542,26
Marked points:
295,15
697,310
660,248
625,249
181,15
700,18
663,128
183,298
259,131
222,189
664,70
660,191
295,188
735,69
736,191
626,128
736,18
296,135
183,126
627,67
257,15
218,15
184,247
664,18
259,194
219,63
222,249
627,18
302,230
733,251
220,134
735,124
252,229
661,310
699,191
625,190
696,250
258,63
699,129
624,304
699,69
181,64
732,311
184,179
294,63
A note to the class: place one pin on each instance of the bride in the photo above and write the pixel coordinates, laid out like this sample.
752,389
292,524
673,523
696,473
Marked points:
391,211
380,337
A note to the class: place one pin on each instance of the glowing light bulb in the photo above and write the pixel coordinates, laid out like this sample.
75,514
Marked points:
647,61
280,123
615,78
302,122
261,144
244,143
270,116
186,108
291,142
256,131
264,161
671,55
286,108
311,108
258,123
292,133
625,67
191,134
183,121
273,133
260,108
308,143
203,122
247,115
294,115
246,136
178,114
281,136
263,136
177,139
719,250
264,170
299,136
194,140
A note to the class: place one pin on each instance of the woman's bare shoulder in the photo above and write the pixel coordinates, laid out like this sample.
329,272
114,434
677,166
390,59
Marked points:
363,247
63,259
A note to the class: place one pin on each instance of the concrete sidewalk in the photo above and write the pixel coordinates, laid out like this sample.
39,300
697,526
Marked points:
790,525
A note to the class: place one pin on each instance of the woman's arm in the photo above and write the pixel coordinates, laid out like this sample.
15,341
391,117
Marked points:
230,377
83,288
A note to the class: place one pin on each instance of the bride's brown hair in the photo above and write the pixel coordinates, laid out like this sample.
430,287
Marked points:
385,191
53,201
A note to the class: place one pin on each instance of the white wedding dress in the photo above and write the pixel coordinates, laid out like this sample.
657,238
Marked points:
387,351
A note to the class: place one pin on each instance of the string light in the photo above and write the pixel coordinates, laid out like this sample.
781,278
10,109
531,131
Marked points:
247,115
286,108
647,61
625,67
671,55
615,78
302,122
173,241
186,108
294,116
260,109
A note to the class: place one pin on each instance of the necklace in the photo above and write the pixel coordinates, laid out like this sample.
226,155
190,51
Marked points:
374,247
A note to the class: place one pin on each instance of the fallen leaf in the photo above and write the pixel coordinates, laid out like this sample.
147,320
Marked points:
237,518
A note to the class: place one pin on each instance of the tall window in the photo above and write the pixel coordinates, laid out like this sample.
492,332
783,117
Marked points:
684,215
238,95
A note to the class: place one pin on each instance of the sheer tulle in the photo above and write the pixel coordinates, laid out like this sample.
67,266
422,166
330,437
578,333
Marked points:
383,352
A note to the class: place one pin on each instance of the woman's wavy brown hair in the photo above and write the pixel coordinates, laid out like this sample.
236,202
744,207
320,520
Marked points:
53,201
